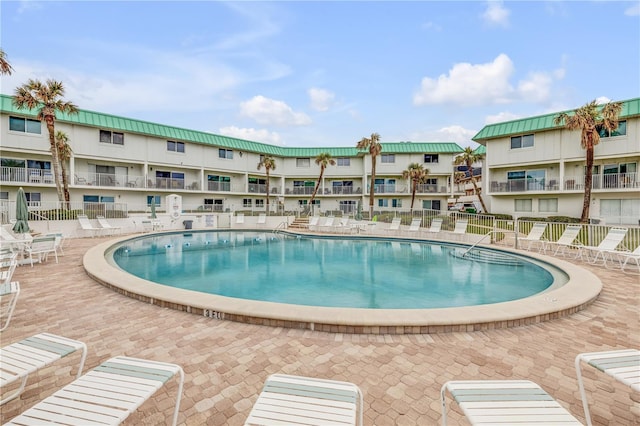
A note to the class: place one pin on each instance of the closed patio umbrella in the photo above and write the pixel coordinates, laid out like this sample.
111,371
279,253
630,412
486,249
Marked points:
22,213
153,207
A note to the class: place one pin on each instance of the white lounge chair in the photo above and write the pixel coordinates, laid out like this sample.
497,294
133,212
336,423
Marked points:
262,219
622,365
461,226
8,264
344,226
565,241
15,243
31,354
106,226
328,224
86,225
506,402
9,292
436,225
603,250
287,399
107,395
535,235
40,248
625,257
394,227
239,218
313,223
414,226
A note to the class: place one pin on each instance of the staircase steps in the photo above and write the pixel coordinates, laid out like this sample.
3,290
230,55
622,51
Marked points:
301,223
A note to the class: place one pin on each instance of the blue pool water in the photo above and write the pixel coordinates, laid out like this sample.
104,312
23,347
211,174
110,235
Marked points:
338,272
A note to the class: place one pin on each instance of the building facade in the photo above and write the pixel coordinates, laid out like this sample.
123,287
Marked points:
534,168
125,162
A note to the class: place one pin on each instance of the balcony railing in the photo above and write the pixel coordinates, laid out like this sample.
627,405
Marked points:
431,188
570,183
390,189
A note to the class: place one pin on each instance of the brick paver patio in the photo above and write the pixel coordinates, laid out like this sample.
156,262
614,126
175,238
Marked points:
226,363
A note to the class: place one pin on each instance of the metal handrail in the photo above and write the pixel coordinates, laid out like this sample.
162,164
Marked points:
486,235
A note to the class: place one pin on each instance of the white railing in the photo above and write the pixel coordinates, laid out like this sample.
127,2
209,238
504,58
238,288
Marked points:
43,210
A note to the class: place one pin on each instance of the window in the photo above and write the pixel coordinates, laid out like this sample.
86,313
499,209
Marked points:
213,204
303,162
259,203
246,202
431,158
115,138
174,146
33,198
342,186
4,195
343,161
225,153
156,199
388,158
25,125
431,204
395,202
347,206
624,212
302,203
620,131
525,141
524,205
548,205
218,183
98,199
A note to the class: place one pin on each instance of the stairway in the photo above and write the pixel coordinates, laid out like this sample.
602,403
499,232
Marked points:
300,223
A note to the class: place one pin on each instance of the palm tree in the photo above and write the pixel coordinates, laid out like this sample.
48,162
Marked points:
374,147
47,98
469,157
590,119
323,159
5,66
417,175
269,163
64,154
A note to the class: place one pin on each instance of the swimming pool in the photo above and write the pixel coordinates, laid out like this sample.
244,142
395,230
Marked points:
333,271
581,289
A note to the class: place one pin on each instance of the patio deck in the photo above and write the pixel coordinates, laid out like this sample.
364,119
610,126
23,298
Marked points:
226,363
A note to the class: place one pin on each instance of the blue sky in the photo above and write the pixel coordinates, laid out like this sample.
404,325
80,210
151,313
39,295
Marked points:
327,73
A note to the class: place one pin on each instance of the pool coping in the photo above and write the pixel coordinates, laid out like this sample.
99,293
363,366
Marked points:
580,291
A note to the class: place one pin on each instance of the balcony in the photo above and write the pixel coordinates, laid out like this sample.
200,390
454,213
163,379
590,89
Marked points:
390,189
614,181
25,175
429,188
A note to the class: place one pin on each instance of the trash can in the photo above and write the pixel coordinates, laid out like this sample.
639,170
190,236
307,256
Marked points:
188,224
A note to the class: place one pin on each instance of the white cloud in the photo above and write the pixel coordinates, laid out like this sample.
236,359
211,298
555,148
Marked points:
251,134
501,117
633,10
601,100
453,133
482,84
468,84
496,14
267,111
321,99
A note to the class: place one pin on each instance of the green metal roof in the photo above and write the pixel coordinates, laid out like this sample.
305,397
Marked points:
422,147
112,122
480,150
539,123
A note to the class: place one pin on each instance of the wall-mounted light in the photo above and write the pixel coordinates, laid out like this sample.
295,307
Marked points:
241,153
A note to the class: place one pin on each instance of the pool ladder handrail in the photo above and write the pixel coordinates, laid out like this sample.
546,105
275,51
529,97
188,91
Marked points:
493,231
281,225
